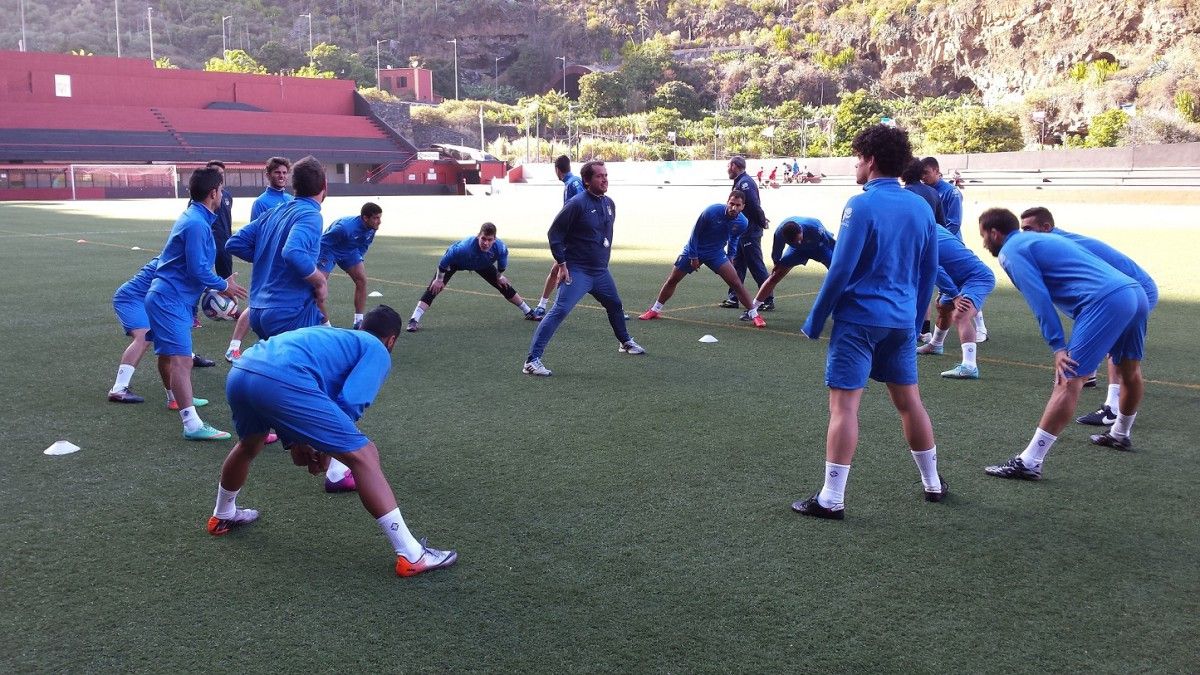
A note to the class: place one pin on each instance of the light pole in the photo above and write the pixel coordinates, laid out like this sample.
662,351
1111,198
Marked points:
224,51
496,74
150,27
23,45
310,45
455,41
564,60
378,85
117,16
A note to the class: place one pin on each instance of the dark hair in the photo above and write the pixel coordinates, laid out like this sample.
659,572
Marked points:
370,209
202,182
931,163
563,163
1041,213
1001,220
790,231
215,162
589,169
308,177
487,229
738,161
276,162
888,146
913,172
737,193
383,322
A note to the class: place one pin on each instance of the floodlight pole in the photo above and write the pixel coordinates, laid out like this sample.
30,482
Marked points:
117,16
224,50
310,45
496,74
150,27
455,41
378,84
24,46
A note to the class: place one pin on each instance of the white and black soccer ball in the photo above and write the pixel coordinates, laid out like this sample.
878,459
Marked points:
218,307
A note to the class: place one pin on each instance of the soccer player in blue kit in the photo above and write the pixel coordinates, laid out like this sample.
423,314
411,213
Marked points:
951,198
581,242
482,254
1039,219
1109,309
571,187
312,385
796,241
964,283
716,227
879,281
345,243
185,269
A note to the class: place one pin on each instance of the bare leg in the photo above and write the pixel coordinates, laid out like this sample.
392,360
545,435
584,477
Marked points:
1061,405
1132,386
358,274
242,327
914,419
729,275
842,436
373,488
768,288
237,462
180,369
137,348
552,280
669,286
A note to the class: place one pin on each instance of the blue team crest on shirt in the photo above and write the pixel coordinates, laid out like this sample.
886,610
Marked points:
846,216
610,211
744,186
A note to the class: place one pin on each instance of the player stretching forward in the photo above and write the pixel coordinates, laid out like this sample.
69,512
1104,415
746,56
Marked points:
572,187
951,198
345,242
879,280
1110,312
716,228
482,254
803,239
185,269
964,282
1039,219
312,385
278,169
129,302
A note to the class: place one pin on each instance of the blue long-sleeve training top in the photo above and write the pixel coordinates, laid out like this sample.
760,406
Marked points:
884,263
185,266
466,255
349,366
816,243
958,265
932,198
713,231
138,286
346,238
1056,272
572,186
581,234
951,199
1123,263
282,246
269,199
754,210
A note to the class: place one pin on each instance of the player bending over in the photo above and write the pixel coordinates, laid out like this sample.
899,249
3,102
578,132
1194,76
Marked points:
312,385
797,240
345,242
482,254
715,229
964,282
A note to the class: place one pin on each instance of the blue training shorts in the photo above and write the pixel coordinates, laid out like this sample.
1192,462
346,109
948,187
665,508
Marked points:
1114,325
857,352
684,264
326,264
170,324
271,321
131,312
792,258
299,412
975,290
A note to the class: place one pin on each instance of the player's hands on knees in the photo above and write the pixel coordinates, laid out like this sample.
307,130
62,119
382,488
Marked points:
964,304
232,289
503,281
695,263
1064,366
437,286
307,456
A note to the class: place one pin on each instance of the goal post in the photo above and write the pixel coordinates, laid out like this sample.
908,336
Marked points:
128,181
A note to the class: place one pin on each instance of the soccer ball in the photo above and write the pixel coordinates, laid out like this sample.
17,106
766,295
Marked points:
218,307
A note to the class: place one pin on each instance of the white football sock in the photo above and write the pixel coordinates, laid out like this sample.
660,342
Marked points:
524,307
752,312
927,464
1114,397
336,471
939,336
170,395
402,540
1124,425
1035,452
226,502
418,313
191,421
968,349
656,307
124,376
833,494
542,302
979,324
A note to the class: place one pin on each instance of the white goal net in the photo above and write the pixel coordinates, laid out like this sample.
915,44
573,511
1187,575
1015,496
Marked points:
123,180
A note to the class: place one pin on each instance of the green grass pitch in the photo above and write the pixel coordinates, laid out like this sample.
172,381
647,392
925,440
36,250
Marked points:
625,514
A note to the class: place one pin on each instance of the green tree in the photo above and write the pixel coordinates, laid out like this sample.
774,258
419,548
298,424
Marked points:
678,96
1104,129
644,67
277,57
165,63
602,94
343,64
973,129
235,61
1185,105
748,97
854,112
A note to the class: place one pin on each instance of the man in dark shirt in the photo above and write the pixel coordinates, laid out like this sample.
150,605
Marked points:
749,254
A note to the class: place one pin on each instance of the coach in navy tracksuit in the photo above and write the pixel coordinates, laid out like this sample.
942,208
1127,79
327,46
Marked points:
749,254
222,227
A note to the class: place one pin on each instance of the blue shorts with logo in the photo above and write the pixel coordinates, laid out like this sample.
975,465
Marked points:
347,263
858,352
684,264
299,412
1114,325
170,322
271,321
131,311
